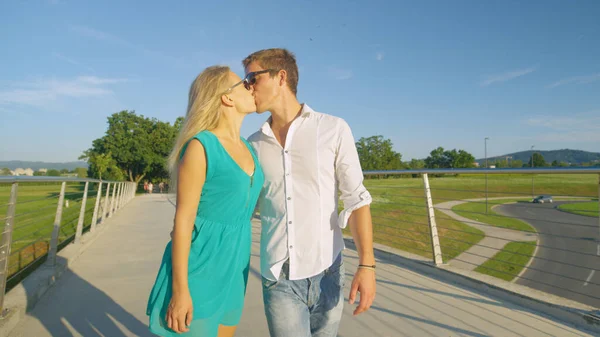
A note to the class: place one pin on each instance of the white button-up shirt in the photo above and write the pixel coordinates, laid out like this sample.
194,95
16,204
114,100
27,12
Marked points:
303,183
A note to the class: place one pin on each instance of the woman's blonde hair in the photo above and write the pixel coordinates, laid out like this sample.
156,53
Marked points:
203,111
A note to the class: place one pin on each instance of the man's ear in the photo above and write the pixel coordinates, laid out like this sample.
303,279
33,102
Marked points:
282,77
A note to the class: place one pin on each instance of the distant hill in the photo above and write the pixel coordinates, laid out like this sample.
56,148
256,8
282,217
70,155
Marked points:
36,165
564,155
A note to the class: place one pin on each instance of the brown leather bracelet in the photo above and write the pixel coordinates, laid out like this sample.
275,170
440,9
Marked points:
367,265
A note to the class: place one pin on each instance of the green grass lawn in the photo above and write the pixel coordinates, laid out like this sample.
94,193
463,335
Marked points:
509,262
582,208
400,220
476,211
34,219
399,213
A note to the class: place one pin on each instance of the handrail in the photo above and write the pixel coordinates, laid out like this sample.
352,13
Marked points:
44,179
573,170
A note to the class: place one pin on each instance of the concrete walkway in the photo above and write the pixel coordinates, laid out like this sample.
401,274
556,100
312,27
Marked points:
104,293
495,237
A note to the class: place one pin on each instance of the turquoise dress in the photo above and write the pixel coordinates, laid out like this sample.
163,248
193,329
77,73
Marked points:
219,258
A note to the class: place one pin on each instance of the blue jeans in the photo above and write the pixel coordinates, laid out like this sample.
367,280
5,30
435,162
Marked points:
307,307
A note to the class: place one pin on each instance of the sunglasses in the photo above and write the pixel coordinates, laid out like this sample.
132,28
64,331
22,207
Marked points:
250,79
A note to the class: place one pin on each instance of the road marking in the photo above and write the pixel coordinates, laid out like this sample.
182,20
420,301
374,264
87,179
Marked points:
589,278
529,212
598,252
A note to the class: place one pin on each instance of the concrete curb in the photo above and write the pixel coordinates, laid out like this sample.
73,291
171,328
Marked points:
578,315
23,297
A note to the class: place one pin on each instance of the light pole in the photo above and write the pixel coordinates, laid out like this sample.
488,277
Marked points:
486,168
532,192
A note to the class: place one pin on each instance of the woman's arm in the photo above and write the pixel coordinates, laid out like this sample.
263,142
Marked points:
191,177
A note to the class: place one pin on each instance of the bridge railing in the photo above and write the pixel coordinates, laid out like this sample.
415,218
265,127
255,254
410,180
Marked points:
486,221
44,214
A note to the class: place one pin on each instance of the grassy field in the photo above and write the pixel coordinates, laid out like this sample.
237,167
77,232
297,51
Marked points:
476,211
34,220
400,219
506,264
582,208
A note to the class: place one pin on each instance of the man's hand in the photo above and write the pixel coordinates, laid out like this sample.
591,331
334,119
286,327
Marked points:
364,283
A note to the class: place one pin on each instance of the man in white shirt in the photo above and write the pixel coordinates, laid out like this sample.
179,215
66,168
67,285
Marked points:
307,157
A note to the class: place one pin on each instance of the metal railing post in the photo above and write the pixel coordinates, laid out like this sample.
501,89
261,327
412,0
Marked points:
118,200
129,193
123,194
435,239
5,243
105,210
119,186
81,214
598,248
55,233
96,208
112,201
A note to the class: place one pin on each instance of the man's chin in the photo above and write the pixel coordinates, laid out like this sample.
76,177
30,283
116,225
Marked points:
260,111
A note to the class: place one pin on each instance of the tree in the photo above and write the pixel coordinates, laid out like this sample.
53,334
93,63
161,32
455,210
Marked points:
516,164
440,159
376,153
5,171
138,145
461,159
81,172
501,164
556,163
538,160
416,164
53,173
436,159
101,163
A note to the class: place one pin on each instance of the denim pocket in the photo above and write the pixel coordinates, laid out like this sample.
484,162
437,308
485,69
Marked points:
338,272
268,284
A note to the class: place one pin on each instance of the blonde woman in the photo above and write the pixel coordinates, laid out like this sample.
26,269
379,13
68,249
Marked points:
201,283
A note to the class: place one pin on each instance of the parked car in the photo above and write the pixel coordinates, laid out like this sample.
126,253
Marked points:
542,199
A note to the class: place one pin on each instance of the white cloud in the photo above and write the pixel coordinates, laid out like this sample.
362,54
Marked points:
102,36
71,61
585,79
584,121
98,35
379,56
584,127
43,91
507,76
339,73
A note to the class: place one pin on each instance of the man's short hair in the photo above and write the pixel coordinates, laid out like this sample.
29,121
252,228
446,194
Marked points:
277,59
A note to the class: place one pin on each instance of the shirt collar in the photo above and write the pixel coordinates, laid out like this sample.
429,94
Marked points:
305,113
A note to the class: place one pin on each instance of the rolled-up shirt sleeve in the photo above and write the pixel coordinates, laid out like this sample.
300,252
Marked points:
349,175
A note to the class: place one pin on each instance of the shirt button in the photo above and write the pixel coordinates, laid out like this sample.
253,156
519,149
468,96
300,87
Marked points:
289,198
286,151
291,247
290,222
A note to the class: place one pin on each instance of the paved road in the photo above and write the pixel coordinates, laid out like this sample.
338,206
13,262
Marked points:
570,240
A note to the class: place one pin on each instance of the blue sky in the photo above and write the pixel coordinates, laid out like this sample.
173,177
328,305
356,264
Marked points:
422,73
